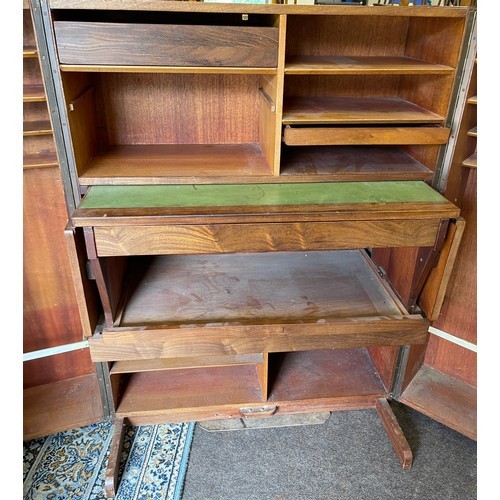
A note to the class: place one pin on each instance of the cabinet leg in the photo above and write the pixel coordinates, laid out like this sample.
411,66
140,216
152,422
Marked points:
111,478
396,436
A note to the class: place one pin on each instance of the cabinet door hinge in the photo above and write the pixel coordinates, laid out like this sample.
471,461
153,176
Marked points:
90,271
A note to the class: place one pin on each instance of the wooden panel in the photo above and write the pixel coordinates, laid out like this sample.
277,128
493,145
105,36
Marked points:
459,311
348,163
167,45
52,408
358,65
427,39
140,343
444,399
321,136
323,374
150,240
433,293
180,109
50,309
354,110
157,364
346,36
85,289
384,359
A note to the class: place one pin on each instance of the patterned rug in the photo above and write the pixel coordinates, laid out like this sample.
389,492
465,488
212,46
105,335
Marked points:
72,464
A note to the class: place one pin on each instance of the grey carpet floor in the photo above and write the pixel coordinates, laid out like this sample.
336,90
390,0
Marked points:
349,457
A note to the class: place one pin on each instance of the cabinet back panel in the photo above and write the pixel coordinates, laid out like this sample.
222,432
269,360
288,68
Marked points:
181,109
345,35
342,86
31,71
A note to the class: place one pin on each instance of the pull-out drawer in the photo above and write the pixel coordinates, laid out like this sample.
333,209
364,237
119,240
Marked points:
101,43
337,136
236,304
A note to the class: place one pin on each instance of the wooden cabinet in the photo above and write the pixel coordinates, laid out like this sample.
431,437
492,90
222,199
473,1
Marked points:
60,389
238,166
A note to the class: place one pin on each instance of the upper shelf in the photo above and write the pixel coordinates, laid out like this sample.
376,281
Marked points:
354,110
340,65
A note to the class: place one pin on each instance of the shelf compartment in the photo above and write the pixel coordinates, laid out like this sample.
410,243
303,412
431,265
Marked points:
344,136
443,398
37,127
209,389
98,43
34,93
346,163
358,65
231,304
147,128
355,111
40,160
147,365
341,376
175,163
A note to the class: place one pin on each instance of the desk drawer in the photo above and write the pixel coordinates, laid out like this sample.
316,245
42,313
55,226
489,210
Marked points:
335,136
225,238
98,43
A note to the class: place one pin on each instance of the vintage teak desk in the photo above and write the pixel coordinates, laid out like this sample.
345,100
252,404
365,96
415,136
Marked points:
235,170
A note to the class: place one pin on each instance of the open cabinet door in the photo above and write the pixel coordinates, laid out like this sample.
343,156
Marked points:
439,380
60,382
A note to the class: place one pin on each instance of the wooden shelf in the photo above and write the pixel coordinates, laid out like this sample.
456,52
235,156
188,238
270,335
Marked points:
339,375
158,392
472,132
444,399
88,68
41,160
359,65
354,110
470,162
148,365
37,127
175,163
472,100
30,51
34,93
349,163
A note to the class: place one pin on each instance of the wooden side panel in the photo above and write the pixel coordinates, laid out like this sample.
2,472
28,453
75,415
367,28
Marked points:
433,293
85,289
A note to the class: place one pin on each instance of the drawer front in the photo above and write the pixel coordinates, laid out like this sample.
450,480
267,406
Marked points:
225,238
165,45
326,136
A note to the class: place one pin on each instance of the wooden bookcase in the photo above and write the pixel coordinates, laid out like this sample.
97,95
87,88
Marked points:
238,165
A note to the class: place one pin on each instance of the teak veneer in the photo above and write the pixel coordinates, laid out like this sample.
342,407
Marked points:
236,166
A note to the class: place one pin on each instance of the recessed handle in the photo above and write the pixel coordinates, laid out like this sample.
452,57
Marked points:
259,411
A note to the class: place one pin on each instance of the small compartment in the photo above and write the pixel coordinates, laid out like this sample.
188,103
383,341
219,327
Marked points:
149,128
350,163
372,44
195,41
194,390
342,376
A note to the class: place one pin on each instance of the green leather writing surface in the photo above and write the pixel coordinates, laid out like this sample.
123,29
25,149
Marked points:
224,195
